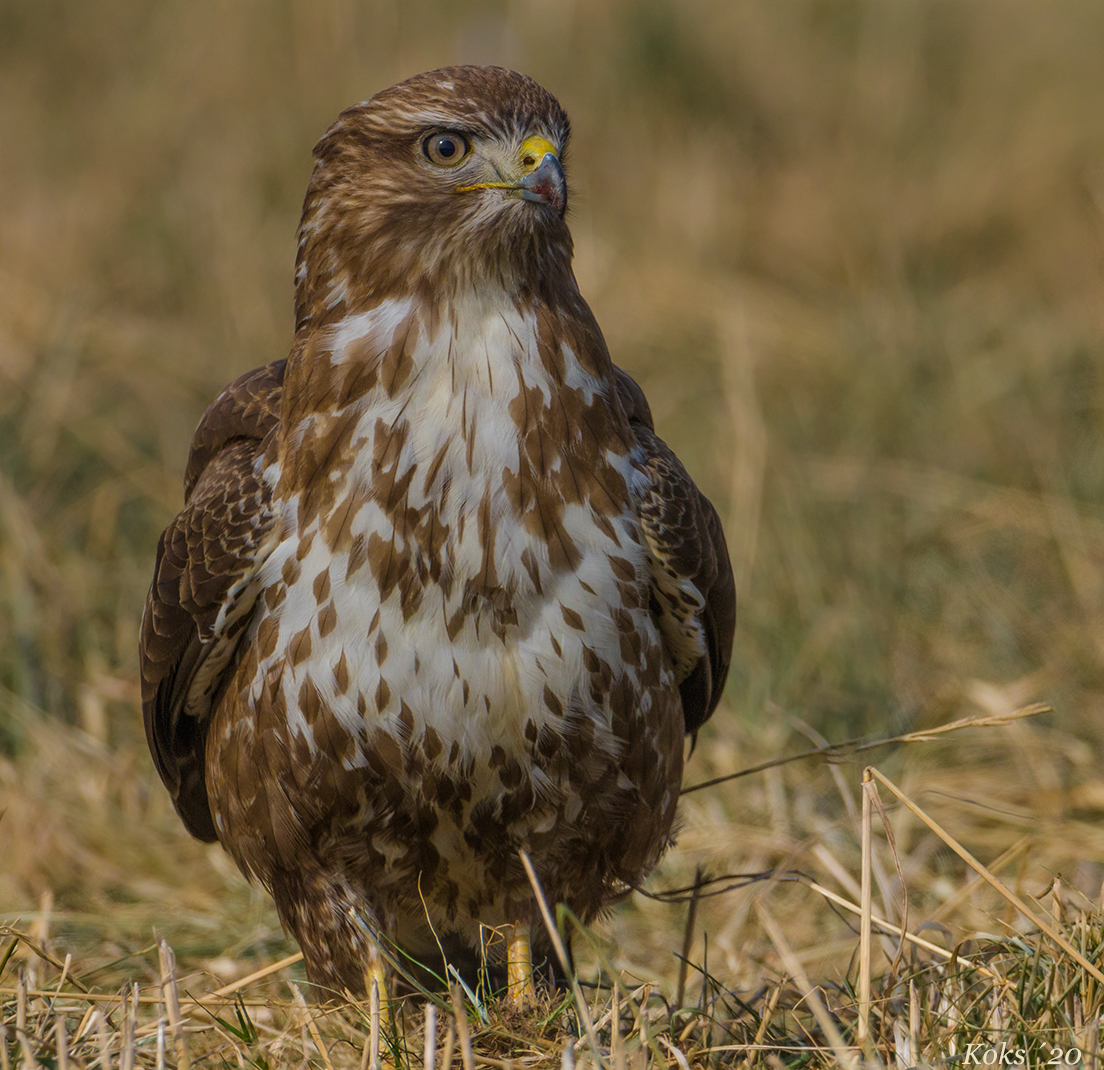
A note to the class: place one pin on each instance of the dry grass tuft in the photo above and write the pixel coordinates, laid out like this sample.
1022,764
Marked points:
854,254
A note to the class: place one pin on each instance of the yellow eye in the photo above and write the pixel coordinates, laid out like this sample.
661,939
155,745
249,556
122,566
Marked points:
446,149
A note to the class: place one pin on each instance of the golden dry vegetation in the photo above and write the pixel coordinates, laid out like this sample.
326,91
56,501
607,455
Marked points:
854,251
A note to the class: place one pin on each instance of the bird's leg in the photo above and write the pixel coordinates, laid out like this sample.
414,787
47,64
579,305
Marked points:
520,990
375,984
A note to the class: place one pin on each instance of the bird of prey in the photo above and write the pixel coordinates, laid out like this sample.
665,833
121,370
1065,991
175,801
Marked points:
438,593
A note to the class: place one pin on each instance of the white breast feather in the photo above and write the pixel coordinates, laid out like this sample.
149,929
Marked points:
463,382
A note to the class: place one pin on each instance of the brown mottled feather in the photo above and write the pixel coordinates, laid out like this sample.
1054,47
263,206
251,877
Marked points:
685,536
211,546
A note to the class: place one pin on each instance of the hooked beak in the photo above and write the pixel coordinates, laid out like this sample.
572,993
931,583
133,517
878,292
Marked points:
546,183
540,176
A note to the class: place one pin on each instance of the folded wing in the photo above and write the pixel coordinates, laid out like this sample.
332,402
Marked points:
205,584
693,593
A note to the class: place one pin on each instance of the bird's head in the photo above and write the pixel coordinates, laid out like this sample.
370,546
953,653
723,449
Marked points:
453,179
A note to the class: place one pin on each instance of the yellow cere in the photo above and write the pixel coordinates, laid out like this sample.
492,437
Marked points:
532,151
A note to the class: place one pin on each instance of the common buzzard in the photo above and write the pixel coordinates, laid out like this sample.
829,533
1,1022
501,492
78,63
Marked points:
438,592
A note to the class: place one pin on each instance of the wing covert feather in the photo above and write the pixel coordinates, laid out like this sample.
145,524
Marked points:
201,596
693,592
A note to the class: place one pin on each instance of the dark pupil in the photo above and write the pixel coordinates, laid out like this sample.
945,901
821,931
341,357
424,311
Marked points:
446,147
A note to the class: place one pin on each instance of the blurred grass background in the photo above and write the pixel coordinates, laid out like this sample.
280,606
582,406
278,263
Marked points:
854,251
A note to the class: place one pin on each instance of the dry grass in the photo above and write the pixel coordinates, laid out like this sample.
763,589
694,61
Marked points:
854,253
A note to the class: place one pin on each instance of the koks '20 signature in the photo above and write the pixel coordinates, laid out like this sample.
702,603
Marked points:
1006,1055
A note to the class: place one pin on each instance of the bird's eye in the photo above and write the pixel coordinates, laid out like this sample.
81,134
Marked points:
446,149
